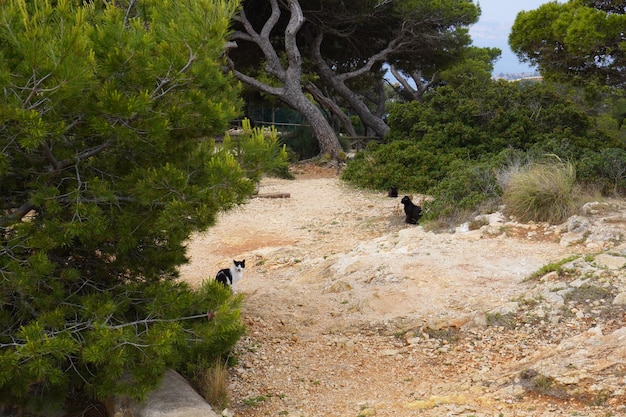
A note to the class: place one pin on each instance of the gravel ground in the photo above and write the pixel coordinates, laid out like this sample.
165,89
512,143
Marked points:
351,312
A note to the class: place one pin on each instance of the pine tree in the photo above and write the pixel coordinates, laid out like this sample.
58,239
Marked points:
105,171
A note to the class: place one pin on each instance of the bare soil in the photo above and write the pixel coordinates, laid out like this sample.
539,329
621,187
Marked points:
352,312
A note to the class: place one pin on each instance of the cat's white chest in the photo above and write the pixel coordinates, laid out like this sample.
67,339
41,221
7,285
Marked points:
236,273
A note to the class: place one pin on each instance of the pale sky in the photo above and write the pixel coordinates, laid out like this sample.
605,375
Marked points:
494,27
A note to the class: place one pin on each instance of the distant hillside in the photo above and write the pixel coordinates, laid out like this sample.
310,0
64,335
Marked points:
517,76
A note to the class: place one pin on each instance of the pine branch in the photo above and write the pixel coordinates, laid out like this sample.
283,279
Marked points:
16,215
149,321
78,328
160,90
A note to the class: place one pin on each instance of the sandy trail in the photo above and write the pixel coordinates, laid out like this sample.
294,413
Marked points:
332,274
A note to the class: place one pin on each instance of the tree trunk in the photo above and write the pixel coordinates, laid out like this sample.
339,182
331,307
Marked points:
421,85
356,102
291,92
337,83
323,131
333,107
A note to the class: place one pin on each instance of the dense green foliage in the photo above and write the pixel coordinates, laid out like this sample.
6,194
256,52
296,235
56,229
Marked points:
458,144
105,171
425,35
343,50
578,41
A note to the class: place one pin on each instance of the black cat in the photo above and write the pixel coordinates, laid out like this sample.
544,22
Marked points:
413,212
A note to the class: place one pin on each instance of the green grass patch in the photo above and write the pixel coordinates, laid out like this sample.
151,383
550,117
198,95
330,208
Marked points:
501,320
254,401
587,294
551,267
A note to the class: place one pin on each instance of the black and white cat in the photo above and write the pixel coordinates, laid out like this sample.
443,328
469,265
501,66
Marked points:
231,276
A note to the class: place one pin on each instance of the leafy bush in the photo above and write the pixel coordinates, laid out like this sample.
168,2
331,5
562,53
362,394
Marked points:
459,146
301,143
542,192
258,151
470,187
119,342
607,169
401,163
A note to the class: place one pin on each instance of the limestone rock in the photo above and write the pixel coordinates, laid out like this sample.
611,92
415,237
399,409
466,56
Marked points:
504,309
620,299
595,208
578,225
570,239
580,363
608,261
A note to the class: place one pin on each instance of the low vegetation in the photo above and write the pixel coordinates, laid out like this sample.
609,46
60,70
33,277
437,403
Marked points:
587,294
542,192
531,146
213,385
551,267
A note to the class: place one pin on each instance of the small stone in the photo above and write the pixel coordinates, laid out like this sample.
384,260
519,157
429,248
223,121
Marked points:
413,340
350,346
552,275
577,283
570,239
620,299
610,261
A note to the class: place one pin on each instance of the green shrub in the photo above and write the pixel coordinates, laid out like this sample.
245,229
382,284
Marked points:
104,176
461,148
468,188
301,143
542,192
404,164
606,169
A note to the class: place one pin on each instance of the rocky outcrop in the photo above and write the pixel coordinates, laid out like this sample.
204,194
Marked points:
590,367
363,315
600,226
586,295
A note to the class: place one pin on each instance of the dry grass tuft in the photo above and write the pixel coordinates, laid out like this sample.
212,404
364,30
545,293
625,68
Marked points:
544,192
215,385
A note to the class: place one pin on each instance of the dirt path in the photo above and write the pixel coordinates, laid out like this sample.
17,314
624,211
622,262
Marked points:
352,312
